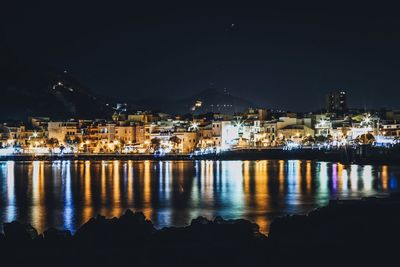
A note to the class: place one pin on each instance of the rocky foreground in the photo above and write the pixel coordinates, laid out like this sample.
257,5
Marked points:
365,232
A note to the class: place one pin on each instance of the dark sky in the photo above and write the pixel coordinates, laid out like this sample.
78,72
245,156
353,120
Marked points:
276,57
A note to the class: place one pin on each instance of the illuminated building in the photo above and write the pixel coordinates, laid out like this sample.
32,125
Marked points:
188,141
205,135
63,131
125,134
323,127
141,117
106,137
225,133
295,133
390,129
336,101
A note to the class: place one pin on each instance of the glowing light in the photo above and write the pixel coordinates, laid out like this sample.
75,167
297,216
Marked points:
6,151
322,175
68,200
367,177
11,211
194,126
354,177
385,177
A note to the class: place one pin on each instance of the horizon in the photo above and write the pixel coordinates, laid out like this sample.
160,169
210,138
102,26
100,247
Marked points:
276,58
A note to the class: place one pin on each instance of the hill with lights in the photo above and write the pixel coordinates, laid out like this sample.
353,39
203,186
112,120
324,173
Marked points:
28,91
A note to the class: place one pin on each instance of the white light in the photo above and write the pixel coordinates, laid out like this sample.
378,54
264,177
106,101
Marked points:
194,126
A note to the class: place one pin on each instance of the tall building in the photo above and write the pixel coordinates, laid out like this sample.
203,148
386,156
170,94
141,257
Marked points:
336,101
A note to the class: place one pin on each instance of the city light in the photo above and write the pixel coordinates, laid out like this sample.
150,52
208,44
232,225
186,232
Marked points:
164,136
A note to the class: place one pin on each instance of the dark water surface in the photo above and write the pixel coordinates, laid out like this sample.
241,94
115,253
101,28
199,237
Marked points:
65,194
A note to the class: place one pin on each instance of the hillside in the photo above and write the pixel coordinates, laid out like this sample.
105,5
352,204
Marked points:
212,100
27,91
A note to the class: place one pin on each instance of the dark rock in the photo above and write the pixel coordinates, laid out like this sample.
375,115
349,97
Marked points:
55,236
130,229
17,232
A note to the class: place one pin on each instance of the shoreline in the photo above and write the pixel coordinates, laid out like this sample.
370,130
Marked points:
367,156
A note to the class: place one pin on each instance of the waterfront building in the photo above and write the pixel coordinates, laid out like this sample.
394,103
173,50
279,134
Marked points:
188,141
63,131
106,137
392,129
205,136
295,133
336,102
225,134
269,133
323,127
125,134
364,124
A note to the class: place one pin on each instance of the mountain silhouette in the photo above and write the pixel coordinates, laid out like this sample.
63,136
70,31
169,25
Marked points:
35,91
212,100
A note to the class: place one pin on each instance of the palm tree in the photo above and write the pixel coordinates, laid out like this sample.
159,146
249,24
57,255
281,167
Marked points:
322,139
308,140
77,140
175,141
365,139
52,142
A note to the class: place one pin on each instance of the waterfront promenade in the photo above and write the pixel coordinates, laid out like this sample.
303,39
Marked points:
360,155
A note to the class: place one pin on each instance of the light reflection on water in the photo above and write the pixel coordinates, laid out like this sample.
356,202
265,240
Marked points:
65,194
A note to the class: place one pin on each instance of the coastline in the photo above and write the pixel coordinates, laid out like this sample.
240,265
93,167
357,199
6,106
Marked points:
362,156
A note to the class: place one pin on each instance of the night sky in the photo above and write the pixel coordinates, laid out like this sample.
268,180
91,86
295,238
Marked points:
275,57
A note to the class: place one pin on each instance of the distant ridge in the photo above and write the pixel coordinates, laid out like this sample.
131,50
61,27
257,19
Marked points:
212,100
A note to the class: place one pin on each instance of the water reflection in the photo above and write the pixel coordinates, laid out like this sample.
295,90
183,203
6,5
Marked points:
68,215
11,207
65,194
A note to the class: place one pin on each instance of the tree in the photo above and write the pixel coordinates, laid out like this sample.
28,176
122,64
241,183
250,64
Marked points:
308,140
77,140
280,142
52,142
155,143
119,144
175,140
365,139
323,139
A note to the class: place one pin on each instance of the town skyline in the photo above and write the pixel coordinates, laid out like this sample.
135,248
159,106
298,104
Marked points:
209,129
